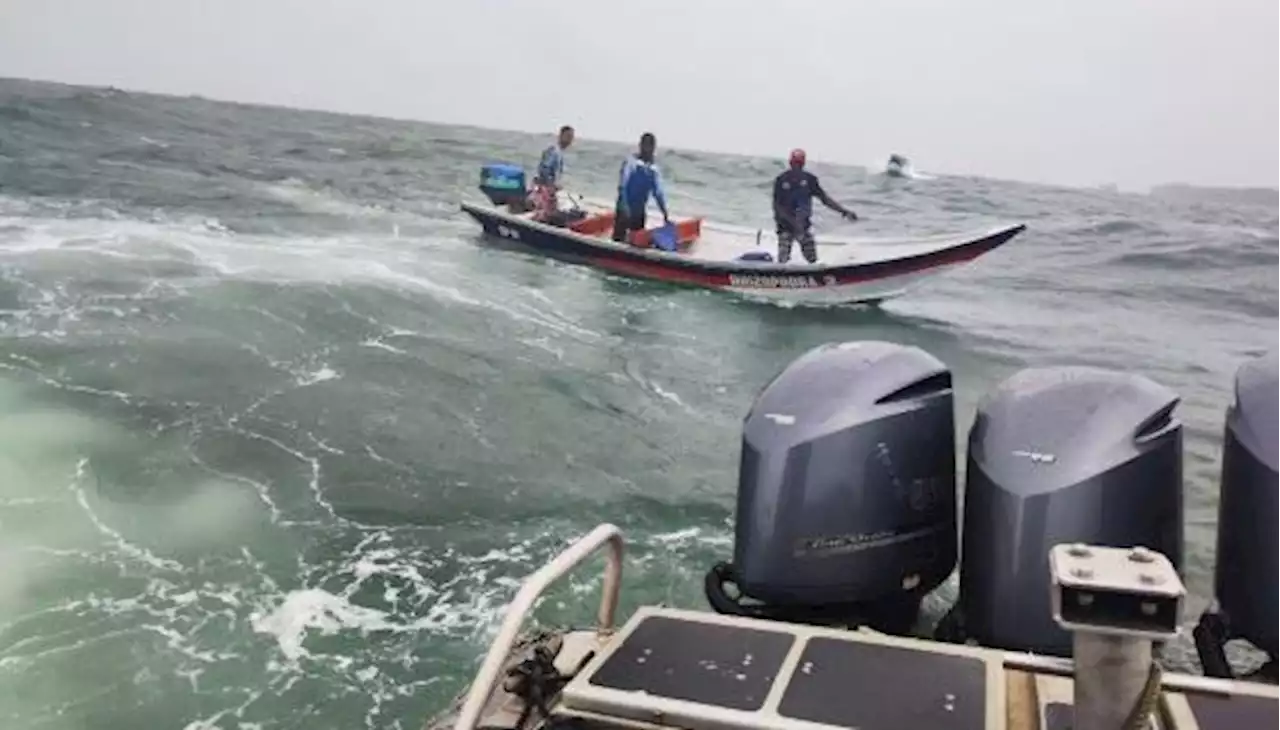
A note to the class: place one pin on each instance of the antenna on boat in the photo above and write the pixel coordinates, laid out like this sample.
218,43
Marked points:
1117,603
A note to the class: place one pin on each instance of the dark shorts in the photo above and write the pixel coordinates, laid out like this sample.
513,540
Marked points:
788,235
624,224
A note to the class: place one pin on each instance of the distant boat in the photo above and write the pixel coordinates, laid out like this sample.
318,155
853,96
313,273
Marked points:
898,166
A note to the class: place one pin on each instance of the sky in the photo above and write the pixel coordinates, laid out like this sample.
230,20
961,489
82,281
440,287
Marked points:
1076,92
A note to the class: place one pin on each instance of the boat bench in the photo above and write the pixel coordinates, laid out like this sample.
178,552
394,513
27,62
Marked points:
702,671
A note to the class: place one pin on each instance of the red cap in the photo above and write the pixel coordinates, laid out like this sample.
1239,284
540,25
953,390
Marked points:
797,156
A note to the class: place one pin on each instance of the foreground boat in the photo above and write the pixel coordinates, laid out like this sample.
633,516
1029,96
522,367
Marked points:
669,668
731,258
846,508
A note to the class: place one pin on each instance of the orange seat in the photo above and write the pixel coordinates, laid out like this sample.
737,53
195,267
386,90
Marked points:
687,231
594,225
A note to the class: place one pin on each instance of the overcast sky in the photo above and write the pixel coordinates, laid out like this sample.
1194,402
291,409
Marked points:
1133,92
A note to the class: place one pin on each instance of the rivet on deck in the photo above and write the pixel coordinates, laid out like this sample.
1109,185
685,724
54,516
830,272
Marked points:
1141,555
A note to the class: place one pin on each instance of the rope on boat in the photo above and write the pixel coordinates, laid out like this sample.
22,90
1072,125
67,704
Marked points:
1140,717
536,682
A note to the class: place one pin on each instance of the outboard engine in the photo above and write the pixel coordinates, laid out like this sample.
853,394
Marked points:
846,492
1060,455
1244,578
503,183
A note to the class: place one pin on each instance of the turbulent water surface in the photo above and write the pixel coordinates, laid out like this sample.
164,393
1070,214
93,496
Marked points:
279,433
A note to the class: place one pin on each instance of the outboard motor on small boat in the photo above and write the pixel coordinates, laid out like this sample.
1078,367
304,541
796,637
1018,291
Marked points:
1244,578
503,183
1060,455
846,493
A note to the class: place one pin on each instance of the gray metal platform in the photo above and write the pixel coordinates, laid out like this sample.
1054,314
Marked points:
725,666
703,671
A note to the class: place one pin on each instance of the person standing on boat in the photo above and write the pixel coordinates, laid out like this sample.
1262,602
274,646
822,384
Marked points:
546,184
638,180
793,194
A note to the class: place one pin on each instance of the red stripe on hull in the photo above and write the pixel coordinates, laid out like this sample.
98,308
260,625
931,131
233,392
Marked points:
743,280
647,270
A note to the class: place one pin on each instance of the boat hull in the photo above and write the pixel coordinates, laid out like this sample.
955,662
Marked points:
839,282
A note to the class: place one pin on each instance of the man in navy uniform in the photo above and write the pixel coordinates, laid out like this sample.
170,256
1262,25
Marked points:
793,193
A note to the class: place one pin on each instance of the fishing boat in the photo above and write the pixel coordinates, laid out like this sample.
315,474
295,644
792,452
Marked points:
846,515
695,252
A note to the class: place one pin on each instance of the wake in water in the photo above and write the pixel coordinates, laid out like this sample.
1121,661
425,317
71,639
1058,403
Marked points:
252,537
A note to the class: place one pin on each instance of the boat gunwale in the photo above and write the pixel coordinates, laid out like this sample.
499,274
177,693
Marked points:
946,244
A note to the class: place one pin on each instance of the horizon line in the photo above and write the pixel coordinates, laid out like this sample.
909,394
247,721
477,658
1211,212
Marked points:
1150,188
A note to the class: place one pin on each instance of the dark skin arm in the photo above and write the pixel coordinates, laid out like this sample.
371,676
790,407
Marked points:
821,194
827,201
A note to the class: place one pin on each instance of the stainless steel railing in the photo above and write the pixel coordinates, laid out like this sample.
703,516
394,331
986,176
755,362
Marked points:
518,611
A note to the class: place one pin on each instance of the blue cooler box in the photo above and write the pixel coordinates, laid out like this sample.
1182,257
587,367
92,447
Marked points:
503,183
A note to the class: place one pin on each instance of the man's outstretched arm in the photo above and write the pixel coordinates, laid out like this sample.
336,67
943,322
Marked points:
832,204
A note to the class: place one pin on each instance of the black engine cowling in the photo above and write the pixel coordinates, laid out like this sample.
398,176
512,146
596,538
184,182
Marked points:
1058,455
846,492
1246,564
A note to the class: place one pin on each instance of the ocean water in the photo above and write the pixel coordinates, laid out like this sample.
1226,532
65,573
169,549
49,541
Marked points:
279,434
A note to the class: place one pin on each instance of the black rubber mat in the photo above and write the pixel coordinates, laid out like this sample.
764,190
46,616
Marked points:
1058,716
725,666
873,687
1239,712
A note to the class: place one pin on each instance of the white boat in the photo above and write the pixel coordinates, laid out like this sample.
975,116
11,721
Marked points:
730,258
898,166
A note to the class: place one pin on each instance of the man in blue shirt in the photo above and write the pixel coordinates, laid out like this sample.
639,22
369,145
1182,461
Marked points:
638,179
547,181
793,194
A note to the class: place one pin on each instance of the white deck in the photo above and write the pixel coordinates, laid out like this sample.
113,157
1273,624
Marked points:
723,242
